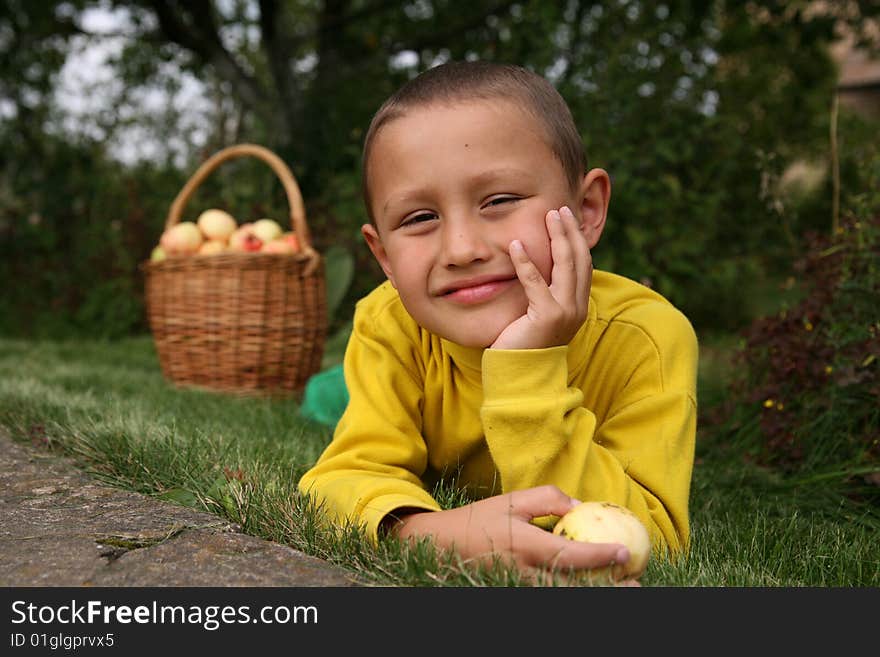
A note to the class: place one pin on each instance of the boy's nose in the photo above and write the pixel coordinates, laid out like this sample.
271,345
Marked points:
463,242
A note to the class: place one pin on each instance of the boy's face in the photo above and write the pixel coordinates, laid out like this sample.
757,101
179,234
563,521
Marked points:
451,186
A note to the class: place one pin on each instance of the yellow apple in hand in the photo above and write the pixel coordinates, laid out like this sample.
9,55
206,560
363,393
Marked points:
606,522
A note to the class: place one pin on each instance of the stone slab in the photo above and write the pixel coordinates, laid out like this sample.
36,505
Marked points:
60,527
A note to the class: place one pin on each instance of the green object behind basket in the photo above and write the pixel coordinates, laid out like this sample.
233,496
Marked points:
325,397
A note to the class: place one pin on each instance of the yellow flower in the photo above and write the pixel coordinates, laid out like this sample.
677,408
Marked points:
779,406
808,325
828,369
768,403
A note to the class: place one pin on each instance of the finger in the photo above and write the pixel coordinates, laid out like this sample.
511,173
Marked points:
570,577
576,555
580,254
540,501
534,284
559,555
563,276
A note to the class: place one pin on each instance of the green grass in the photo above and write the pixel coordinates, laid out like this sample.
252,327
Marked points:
107,405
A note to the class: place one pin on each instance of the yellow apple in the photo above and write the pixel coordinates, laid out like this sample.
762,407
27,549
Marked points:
606,522
157,254
216,224
267,229
184,238
210,247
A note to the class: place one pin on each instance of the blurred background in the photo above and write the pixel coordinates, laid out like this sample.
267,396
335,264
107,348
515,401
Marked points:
732,132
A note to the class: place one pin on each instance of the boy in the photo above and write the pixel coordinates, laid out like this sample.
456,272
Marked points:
494,354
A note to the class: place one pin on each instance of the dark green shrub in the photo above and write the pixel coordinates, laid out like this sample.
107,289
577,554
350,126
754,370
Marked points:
806,396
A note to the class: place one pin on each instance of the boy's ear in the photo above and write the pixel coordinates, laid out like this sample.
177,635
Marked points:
595,194
375,243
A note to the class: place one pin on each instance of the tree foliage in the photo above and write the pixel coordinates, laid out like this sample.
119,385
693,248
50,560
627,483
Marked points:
695,109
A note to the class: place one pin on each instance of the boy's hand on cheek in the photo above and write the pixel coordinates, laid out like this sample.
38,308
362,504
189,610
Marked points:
555,311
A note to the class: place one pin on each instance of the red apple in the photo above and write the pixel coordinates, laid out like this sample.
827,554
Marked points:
245,240
292,240
278,246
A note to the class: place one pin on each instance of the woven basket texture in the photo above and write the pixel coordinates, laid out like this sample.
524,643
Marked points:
240,323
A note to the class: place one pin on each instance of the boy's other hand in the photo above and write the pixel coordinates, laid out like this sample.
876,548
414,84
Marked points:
501,527
555,311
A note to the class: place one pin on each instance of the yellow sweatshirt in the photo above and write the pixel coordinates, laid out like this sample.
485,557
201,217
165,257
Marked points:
611,416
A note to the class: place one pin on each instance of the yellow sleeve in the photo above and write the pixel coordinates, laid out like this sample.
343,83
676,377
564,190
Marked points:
641,455
377,456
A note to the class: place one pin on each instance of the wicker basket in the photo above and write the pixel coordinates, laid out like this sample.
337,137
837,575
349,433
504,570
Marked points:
240,323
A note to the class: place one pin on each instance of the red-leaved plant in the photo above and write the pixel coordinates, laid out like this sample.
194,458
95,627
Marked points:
810,375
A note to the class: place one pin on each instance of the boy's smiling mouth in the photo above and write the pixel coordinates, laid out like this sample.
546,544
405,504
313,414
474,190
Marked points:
476,290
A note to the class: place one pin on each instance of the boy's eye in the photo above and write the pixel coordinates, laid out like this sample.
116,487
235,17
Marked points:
499,200
418,218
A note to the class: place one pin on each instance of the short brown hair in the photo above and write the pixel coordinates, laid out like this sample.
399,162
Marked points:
479,80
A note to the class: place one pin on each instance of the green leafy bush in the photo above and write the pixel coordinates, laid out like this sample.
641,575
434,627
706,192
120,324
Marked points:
807,390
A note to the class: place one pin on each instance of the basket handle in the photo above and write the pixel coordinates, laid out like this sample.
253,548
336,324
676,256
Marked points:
291,189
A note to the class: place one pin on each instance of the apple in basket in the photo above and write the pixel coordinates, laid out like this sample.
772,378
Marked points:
287,243
245,240
267,229
216,224
210,247
184,238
